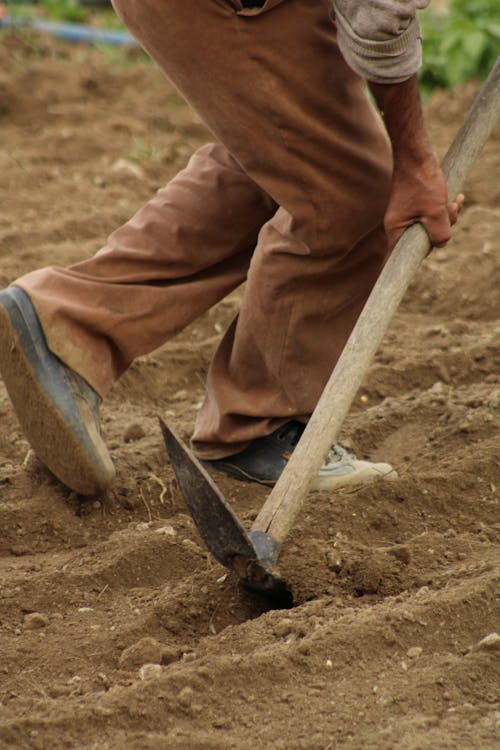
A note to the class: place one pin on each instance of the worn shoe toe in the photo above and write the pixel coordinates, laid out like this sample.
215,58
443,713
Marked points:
57,409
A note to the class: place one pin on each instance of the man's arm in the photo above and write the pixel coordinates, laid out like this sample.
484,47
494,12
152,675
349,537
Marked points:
418,190
381,42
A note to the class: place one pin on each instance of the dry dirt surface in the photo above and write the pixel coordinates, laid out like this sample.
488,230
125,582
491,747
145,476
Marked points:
117,628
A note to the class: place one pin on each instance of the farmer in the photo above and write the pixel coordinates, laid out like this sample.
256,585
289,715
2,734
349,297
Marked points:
290,199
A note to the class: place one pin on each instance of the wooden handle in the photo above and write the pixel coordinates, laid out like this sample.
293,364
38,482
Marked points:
278,514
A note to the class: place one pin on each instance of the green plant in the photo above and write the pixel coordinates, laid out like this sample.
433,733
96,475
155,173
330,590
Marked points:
65,10
461,44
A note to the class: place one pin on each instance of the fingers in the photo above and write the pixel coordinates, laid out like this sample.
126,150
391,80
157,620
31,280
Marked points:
438,228
455,207
437,218
439,225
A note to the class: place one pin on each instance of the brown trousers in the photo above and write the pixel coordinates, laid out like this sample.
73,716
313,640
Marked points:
290,200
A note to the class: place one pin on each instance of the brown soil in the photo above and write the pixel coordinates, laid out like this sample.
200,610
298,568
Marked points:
395,583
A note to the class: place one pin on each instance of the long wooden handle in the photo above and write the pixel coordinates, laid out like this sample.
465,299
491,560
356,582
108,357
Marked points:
278,514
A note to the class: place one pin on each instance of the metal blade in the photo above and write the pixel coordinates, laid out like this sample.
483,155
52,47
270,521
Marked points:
221,530
252,556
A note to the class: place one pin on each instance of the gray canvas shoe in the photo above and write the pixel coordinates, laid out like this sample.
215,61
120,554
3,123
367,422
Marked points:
265,458
57,409
341,468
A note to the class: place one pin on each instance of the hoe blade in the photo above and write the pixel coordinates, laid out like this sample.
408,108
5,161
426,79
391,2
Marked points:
251,555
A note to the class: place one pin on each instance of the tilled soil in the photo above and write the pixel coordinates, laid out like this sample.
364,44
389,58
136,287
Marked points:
118,630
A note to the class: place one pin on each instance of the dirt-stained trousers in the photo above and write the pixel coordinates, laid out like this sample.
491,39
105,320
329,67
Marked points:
290,200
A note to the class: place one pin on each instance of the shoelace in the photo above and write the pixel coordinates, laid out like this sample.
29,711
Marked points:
292,431
337,454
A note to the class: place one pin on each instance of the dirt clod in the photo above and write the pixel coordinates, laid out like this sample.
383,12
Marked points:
490,642
150,672
133,433
35,621
145,651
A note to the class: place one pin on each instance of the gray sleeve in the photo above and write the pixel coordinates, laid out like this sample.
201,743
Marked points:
380,39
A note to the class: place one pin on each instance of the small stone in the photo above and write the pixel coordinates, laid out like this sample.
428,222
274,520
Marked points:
169,655
221,724
150,672
190,545
18,550
104,679
401,552
414,652
490,642
166,530
180,395
146,651
102,711
134,432
127,168
58,690
493,400
334,563
283,627
186,696
304,648
35,621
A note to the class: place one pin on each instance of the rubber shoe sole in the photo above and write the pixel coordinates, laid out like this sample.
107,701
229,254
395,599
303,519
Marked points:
56,408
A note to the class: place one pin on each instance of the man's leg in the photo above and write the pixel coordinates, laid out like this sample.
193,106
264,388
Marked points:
272,85
179,255
300,125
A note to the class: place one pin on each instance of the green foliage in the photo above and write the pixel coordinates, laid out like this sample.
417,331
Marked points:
64,10
94,13
464,43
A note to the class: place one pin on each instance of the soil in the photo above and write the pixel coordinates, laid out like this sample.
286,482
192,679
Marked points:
118,630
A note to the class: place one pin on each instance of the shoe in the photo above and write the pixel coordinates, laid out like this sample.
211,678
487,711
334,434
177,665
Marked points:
57,409
265,458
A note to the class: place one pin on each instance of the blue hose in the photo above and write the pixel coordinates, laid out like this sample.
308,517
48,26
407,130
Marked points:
73,32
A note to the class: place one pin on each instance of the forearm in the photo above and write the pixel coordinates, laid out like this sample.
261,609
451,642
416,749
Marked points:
418,191
401,109
381,42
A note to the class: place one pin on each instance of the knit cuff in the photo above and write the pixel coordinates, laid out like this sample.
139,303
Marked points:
387,61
